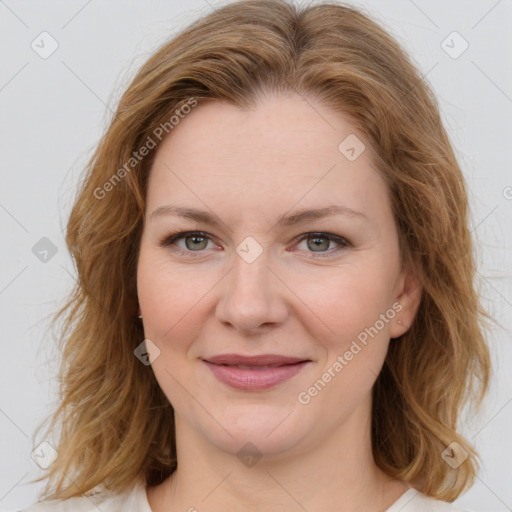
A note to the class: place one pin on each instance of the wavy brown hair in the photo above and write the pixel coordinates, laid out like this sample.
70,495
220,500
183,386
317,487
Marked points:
115,423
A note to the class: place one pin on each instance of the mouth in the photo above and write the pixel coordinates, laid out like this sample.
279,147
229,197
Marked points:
254,373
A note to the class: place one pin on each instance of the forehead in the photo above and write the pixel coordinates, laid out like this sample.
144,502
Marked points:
284,151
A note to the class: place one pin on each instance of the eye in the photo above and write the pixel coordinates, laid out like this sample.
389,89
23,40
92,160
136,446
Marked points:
194,241
319,243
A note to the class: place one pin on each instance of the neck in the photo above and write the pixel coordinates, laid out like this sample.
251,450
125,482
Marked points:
338,474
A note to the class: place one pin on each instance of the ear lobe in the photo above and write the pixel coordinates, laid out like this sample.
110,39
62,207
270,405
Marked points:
409,297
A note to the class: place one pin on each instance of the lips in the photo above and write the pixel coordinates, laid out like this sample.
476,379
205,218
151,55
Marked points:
254,373
268,360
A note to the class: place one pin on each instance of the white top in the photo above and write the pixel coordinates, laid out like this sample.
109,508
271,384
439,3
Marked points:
135,500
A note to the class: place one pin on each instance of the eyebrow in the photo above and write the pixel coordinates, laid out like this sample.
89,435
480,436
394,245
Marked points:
299,217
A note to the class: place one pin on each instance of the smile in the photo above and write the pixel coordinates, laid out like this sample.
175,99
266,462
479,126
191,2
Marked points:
254,373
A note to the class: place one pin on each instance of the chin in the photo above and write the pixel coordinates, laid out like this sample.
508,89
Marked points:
272,430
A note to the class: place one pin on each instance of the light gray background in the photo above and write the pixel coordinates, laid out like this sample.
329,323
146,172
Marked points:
54,110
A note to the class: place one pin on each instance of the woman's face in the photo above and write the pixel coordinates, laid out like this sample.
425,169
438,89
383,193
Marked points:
323,290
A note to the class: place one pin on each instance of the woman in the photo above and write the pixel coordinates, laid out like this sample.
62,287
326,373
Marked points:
275,307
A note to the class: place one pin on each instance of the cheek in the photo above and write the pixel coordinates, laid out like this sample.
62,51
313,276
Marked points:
171,298
347,299
350,303
162,295
170,301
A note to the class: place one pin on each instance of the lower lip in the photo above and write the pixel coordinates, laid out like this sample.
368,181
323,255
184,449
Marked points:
254,380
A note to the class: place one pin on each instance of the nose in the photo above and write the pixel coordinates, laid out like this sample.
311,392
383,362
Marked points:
252,297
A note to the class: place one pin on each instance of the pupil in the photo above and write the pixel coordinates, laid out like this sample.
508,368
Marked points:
318,242
195,240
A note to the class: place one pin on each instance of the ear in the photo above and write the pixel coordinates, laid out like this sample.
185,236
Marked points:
408,298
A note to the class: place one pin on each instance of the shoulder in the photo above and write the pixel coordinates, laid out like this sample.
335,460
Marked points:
133,499
414,501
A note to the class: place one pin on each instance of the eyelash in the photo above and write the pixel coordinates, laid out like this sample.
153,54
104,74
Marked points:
169,240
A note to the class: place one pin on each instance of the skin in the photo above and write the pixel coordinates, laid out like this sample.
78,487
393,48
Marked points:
249,167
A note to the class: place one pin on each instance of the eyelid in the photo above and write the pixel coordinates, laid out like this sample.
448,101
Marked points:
341,241
170,239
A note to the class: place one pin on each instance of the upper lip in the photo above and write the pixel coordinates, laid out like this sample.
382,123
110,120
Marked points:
261,360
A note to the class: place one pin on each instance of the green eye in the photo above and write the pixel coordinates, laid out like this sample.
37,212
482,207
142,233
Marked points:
317,244
197,243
